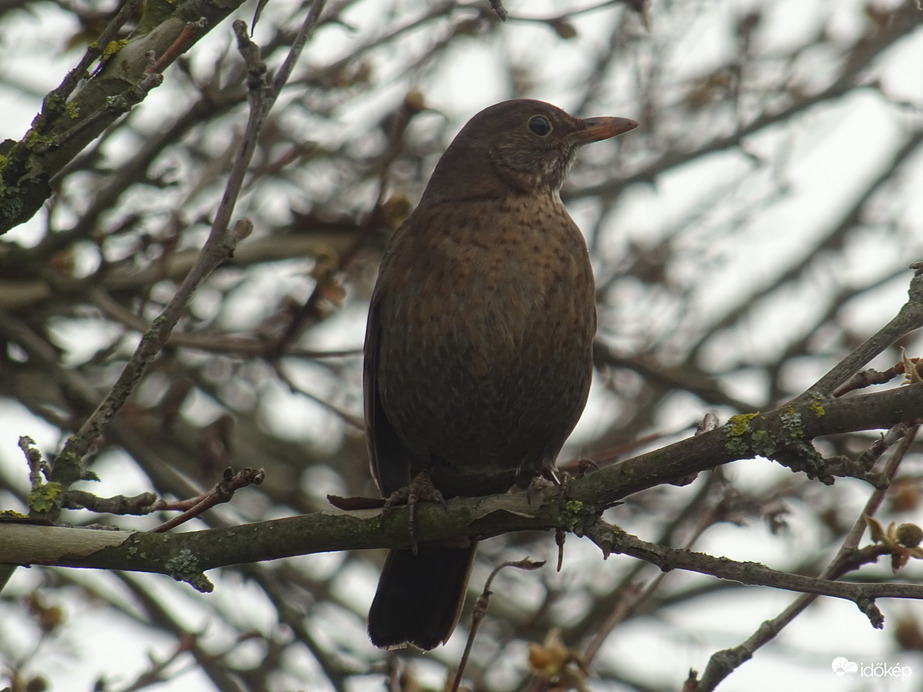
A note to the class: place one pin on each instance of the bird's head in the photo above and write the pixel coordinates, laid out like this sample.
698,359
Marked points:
523,145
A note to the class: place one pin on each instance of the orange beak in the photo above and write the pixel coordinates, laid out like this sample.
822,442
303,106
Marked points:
596,129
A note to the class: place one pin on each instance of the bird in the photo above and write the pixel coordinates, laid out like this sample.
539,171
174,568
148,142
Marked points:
478,347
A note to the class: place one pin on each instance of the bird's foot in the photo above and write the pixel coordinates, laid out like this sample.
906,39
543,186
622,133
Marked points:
553,477
539,483
420,489
585,466
548,476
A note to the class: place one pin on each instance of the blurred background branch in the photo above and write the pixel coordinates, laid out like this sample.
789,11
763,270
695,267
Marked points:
754,231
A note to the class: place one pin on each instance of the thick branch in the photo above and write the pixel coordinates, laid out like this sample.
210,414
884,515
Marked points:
782,430
483,517
64,127
186,556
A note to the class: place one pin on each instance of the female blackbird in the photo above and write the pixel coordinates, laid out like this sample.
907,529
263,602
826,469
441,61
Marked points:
478,343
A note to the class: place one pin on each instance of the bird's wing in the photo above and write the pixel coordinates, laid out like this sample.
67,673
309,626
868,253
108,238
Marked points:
388,457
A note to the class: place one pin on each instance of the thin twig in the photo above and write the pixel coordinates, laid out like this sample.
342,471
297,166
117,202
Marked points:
223,491
219,246
480,610
94,50
910,318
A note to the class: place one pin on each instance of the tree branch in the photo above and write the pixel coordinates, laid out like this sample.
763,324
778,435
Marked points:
186,556
69,122
722,663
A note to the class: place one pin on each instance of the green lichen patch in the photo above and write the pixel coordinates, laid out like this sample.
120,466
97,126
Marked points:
36,141
45,497
792,424
761,443
740,423
184,566
736,433
817,404
112,48
577,515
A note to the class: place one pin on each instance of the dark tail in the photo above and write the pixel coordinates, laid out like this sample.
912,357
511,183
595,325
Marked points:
420,596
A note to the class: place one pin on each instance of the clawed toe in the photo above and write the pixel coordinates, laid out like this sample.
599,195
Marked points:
420,489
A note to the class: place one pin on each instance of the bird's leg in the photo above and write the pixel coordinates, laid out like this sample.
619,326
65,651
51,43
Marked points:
551,476
420,489
546,477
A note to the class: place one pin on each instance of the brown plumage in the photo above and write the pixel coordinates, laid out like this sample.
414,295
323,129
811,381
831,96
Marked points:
478,344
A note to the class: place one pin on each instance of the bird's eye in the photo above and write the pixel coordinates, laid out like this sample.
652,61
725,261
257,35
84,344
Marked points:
539,125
